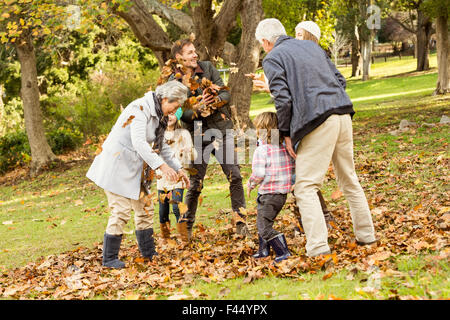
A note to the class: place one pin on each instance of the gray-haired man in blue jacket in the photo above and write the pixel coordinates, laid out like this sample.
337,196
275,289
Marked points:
314,114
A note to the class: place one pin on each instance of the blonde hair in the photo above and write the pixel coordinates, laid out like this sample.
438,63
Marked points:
309,36
266,125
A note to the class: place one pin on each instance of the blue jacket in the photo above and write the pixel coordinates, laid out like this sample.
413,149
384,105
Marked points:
306,86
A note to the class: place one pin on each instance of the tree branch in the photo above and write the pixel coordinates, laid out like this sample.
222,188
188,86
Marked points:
404,26
226,18
177,17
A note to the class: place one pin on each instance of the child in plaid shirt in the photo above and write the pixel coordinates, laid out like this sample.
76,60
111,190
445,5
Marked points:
272,169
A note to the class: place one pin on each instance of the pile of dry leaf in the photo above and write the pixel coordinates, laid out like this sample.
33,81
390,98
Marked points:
78,274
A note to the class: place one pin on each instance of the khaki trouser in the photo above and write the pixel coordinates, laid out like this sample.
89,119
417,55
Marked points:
331,141
121,207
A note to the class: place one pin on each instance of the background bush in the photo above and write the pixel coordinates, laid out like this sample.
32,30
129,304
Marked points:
14,150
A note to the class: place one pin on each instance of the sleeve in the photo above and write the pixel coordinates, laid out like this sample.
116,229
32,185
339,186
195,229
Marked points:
138,131
258,168
281,94
187,116
336,72
169,157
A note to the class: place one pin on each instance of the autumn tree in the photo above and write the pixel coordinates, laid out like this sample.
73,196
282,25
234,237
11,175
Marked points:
22,22
439,9
211,22
347,16
340,41
291,12
416,21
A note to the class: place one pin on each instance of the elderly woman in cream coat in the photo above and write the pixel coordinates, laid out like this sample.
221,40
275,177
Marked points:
118,168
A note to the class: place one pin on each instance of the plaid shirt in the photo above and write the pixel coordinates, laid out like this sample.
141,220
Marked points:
272,167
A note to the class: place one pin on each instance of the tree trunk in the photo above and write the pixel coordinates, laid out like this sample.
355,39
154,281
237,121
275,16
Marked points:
365,54
2,110
365,40
423,34
247,57
212,32
356,69
41,153
443,55
147,30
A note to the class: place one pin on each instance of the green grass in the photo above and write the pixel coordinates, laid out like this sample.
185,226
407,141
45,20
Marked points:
390,81
412,279
62,210
393,67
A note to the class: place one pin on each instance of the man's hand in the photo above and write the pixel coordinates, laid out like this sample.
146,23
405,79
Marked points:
182,175
289,148
208,98
261,85
258,81
168,172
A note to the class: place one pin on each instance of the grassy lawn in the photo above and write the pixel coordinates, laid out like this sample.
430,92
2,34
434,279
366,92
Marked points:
63,215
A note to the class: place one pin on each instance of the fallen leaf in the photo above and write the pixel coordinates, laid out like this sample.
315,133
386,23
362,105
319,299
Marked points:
336,194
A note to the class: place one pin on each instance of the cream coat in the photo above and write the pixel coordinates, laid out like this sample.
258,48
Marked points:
118,168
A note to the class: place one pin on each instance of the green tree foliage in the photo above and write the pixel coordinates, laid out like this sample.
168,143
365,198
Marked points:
292,12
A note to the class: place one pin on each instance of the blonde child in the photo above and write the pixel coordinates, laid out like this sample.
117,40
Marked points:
170,192
272,170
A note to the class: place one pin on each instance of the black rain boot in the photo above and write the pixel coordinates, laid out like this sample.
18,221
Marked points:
111,247
146,243
279,245
263,250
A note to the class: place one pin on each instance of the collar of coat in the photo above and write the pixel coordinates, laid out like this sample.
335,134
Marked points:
281,39
148,105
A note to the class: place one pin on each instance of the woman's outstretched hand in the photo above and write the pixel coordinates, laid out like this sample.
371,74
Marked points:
169,172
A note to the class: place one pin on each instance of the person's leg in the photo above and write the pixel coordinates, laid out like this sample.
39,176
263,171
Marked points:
326,213
268,208
227,157
120,213
194,191
348,182
177,197
120,209
164,209
313,158
143,220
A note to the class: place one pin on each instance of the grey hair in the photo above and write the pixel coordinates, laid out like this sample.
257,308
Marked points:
270,29
172,90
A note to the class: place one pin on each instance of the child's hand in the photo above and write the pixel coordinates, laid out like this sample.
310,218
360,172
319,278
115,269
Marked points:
183,177
248,192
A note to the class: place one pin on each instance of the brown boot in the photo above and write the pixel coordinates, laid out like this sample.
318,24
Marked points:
326,213
165,230
183,231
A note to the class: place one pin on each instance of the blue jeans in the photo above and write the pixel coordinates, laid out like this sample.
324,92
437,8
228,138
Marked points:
164,207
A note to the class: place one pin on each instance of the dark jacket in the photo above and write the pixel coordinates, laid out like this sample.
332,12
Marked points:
306,86
221,118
